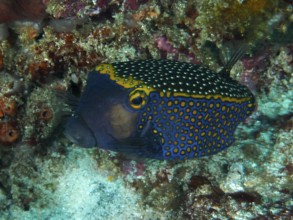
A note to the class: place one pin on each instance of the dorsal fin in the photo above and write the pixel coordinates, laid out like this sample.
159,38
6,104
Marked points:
237,55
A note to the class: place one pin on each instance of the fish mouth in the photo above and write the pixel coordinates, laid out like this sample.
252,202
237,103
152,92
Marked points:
70,137
73,132
89,129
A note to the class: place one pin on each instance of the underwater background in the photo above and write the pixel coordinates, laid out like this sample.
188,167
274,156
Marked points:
51,45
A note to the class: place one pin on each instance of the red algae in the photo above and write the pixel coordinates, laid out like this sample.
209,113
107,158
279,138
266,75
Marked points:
12,10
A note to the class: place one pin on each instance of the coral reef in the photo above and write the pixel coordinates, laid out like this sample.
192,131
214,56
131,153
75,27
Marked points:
47,49
43,113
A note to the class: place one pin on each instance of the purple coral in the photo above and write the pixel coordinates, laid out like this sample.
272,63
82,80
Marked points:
165,45
103,4
134,4
130,167
253,66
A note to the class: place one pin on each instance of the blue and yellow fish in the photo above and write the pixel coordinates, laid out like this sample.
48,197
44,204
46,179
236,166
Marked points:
160,109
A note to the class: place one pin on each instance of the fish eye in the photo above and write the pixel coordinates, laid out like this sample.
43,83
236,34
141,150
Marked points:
137,99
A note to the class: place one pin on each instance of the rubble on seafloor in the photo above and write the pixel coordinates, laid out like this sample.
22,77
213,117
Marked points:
44,176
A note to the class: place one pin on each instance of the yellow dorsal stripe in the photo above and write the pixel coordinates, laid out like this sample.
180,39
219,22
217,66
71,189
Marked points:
129,82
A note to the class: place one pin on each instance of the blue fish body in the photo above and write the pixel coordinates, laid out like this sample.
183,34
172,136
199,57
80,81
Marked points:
159,109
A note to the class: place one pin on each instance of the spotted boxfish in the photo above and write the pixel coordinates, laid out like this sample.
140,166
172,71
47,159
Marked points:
161,109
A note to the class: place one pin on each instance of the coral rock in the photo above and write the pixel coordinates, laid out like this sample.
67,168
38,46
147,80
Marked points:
7,107
9,133
1,61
